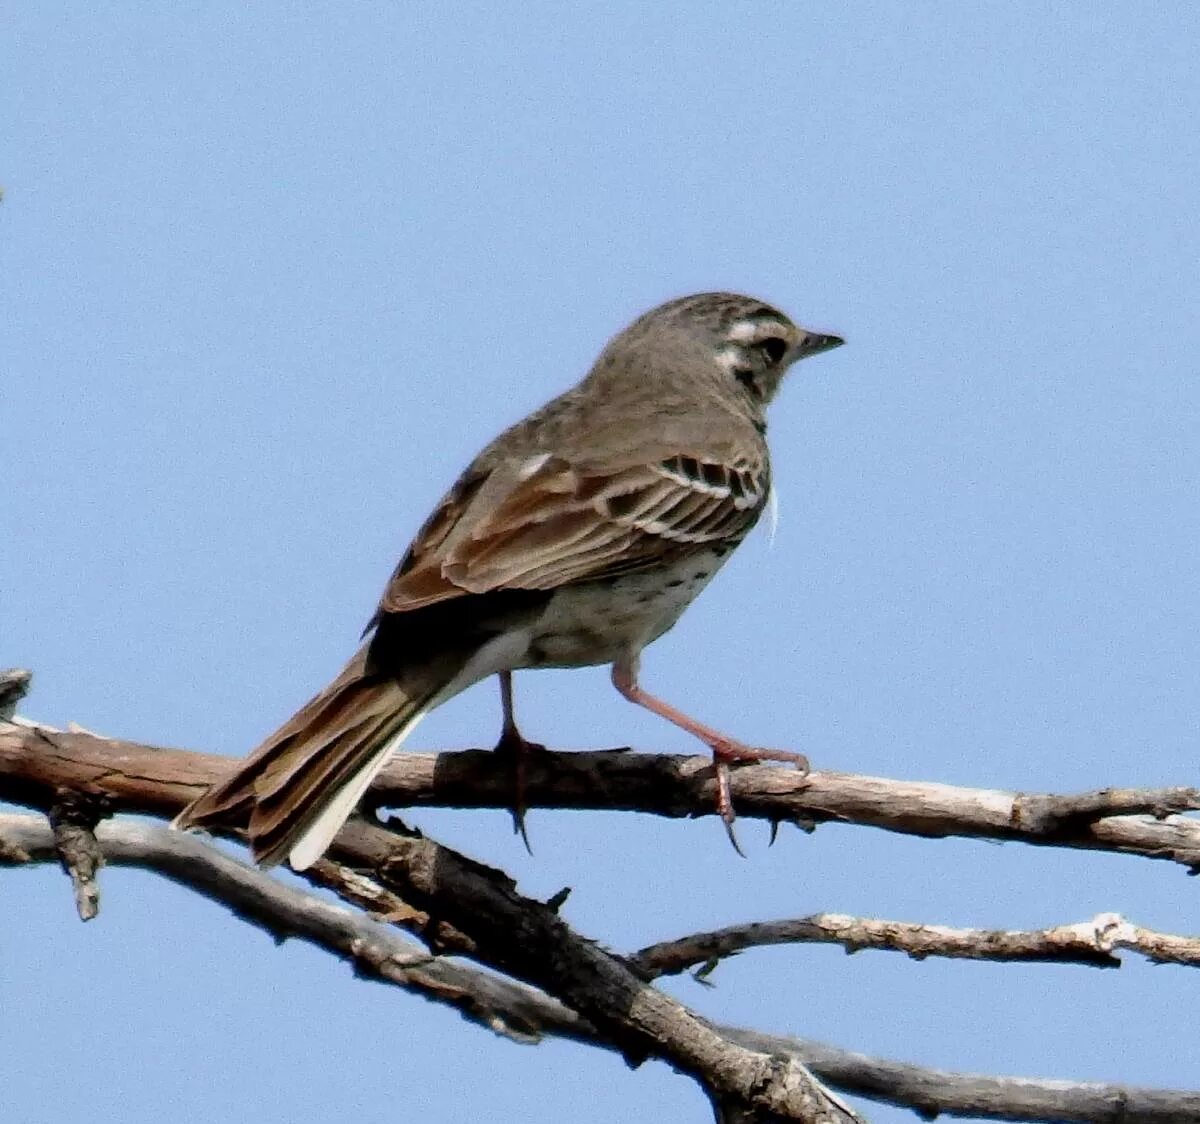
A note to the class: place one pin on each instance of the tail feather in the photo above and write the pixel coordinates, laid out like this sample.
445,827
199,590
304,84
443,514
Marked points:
302,783
300,819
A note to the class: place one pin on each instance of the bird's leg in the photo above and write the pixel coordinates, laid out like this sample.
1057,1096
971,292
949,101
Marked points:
514,743
725,750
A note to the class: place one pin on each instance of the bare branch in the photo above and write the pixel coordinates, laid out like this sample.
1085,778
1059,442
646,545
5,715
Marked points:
1091,943
456,904
14,685
73,820
520,937
360,890
283,911
526,1015
529,940
935,1092
35,762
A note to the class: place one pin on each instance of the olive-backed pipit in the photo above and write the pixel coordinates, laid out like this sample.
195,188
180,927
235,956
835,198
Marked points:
575,538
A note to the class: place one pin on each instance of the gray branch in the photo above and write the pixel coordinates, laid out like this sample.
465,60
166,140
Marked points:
526,1014
374,951
1093,943
935,1092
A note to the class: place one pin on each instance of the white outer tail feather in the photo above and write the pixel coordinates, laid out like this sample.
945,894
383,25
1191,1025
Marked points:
319,834
501,653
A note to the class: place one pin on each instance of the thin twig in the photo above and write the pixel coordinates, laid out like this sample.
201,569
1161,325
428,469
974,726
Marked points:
14,685
73,820
1092,943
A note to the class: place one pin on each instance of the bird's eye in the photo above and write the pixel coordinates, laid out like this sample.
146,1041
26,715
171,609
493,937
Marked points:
773,348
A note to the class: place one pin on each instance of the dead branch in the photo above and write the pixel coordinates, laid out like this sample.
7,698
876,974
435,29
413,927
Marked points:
283,911
73,819
522,938
529,940
455,904
36,761
934,1092
14,685
1093,943
526,1015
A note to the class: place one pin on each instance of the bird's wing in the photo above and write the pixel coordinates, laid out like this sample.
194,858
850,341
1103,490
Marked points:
552,523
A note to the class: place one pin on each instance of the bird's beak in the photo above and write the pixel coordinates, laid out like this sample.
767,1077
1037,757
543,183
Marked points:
814,342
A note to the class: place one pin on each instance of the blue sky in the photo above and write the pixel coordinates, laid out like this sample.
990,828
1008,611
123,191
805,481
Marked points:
271,274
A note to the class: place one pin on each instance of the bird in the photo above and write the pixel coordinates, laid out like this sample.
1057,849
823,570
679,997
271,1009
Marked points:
576,538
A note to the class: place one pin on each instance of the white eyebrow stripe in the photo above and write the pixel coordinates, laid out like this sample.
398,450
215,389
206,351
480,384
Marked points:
745,330
532,465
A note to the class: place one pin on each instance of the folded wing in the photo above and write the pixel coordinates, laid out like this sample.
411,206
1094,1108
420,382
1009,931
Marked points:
551,523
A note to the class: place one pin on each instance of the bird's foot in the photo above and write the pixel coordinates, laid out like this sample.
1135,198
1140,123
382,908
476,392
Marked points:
728,752
514,744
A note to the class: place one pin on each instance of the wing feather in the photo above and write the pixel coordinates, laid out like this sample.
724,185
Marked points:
547,523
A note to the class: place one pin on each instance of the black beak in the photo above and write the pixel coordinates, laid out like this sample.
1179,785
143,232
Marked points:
815,342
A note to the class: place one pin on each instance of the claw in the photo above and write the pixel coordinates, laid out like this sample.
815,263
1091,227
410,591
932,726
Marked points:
515,744
733,839
512,744
519,829
725,751
725,802
518,819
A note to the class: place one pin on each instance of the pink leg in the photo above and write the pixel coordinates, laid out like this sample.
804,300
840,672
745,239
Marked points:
513,742
725,750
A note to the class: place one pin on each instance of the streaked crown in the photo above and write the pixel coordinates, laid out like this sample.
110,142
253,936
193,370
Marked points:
747,341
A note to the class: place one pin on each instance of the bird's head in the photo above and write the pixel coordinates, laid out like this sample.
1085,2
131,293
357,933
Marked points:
744,342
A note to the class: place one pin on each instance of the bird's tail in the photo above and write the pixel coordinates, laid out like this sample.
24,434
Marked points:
303,782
